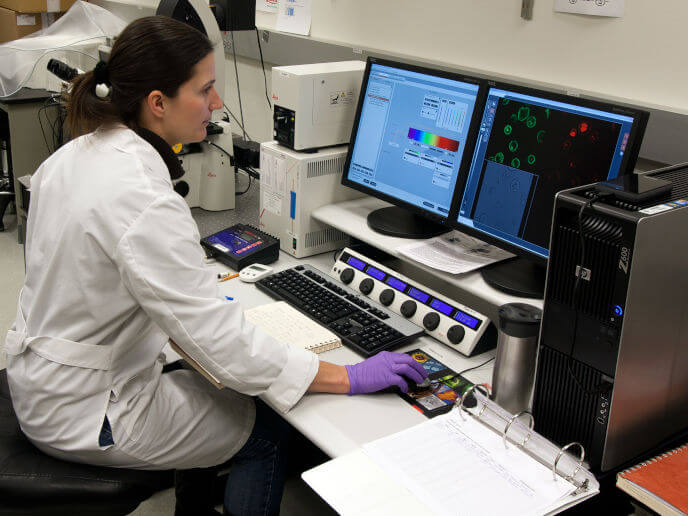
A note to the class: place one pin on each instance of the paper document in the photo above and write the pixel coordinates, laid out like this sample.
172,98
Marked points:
454,253
614,8
294,16
449,465
467,464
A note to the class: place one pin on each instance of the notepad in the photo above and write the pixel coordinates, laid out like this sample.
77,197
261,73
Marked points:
660,483
286,324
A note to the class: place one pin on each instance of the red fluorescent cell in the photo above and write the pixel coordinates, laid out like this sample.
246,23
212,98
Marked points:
573,133
583,127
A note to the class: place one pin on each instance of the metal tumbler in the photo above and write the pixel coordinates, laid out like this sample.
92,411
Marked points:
514,371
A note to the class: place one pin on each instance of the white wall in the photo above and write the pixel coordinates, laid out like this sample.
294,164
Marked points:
639,57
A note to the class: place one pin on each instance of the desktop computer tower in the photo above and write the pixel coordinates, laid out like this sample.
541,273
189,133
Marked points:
294,184
612,369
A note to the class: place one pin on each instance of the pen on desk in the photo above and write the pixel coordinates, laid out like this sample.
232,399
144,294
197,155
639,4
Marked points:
226,277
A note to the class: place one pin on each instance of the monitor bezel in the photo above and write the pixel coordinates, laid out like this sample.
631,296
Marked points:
468,147
627,166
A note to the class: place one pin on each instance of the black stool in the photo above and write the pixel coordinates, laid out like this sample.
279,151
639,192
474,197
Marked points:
31,482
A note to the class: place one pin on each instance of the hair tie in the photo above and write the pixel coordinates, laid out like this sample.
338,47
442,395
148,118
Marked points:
100,73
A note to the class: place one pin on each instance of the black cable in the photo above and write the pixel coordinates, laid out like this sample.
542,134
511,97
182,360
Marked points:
40,122
216,145
250,180
236,72
474,367
603,386
265,78
248,136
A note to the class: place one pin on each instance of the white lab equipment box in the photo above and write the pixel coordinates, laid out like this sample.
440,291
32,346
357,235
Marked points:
292,185
315,104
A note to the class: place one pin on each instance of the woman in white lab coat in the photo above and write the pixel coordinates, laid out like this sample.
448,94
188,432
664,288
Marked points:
114,269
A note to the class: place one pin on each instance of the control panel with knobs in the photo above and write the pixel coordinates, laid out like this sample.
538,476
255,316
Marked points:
446,320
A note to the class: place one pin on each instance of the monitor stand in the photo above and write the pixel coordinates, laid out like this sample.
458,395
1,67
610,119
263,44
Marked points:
517,276
398,222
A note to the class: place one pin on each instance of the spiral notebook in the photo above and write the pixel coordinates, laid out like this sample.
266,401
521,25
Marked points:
287,324
660,483
481,460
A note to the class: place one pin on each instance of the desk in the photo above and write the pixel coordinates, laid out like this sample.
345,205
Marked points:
340,424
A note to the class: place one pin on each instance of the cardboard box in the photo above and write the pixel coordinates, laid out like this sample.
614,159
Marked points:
15,25
37,6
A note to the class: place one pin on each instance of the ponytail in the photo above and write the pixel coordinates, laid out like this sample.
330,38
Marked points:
85,110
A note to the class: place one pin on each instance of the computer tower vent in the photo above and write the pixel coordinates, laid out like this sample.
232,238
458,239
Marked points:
324,236
325,167
602,250
566,398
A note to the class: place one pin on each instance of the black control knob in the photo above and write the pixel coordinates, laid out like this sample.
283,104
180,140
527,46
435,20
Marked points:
408,308
387,296
431,321
347,276
366,286
455,334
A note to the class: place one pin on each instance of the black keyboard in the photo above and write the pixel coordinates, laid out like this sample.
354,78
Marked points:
364,326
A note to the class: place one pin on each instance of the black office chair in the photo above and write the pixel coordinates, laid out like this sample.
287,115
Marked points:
33,483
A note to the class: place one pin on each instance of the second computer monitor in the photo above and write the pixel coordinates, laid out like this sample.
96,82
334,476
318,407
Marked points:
529,147
532,144
409,141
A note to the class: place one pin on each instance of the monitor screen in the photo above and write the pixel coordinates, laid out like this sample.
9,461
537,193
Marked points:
410,135
530,145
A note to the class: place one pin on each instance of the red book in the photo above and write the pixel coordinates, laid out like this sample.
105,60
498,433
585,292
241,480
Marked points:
660,483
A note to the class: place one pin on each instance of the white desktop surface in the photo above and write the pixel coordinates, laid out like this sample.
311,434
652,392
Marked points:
469,288
338,423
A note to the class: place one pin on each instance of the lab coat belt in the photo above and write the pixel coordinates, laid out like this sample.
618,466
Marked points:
62,351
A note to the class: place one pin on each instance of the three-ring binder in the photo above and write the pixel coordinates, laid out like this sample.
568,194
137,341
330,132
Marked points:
538,447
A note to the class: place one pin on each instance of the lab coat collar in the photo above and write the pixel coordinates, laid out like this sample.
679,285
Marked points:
165,151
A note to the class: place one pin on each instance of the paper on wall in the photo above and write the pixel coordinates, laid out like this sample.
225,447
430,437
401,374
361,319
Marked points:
614,8
294,16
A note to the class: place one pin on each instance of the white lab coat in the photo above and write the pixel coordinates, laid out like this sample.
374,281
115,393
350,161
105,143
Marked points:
114,268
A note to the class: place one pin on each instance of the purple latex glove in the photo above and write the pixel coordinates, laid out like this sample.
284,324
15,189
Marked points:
384,370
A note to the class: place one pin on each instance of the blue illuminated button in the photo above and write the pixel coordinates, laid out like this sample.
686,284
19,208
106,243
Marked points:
442,307
375,273
418,295
395,283
467,320
355,262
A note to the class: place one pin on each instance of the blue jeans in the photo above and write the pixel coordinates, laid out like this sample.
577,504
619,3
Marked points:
257,472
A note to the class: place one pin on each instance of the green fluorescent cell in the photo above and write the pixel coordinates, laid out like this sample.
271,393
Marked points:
507,129
515,162
499,157
547,113
523,113
505,102
531,122
540,136
531,159
513,145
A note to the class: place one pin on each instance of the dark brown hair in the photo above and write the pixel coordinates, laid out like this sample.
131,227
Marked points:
152,53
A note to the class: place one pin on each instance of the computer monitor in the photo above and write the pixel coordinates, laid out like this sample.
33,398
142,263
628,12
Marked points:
530,145
409,141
